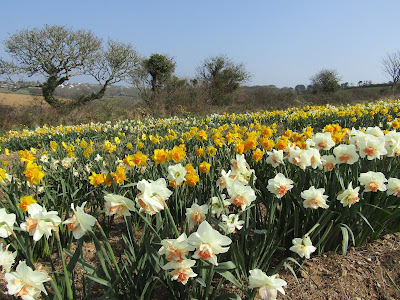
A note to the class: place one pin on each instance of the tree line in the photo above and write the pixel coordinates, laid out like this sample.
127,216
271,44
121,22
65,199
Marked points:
59,53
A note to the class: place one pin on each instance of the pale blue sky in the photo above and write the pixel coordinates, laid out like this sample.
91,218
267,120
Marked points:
280,42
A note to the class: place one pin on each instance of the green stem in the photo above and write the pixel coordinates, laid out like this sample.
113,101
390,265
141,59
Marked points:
172,222
210,277
66,273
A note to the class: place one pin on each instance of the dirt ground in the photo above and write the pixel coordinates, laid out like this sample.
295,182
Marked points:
371,272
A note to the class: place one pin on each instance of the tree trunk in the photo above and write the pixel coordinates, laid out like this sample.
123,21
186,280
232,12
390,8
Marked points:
93,96
49,87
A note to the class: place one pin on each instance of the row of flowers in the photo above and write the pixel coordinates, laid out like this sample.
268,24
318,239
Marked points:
161,130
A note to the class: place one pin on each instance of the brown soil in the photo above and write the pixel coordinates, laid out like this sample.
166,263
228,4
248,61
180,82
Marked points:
371,272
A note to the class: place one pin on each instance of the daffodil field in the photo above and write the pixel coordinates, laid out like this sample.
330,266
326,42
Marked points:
225,200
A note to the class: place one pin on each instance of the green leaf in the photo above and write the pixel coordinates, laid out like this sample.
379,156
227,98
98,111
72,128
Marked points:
365,220
201,281
129,185
345,241
261,231
150,284
74,259
229,276
99,280
154,257
56,289
291,271
228,265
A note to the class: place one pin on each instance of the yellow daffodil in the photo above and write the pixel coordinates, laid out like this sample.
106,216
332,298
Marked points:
25,201
33,173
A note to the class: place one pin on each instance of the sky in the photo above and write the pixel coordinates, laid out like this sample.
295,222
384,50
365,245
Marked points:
280,43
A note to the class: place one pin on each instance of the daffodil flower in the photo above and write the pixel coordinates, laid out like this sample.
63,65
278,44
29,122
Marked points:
268,286
6,223
303,247
279,185
181,271
80,222
119,205
7,258
208,243
314,198
25,282
40,222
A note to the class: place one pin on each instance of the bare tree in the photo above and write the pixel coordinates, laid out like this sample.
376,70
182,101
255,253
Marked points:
55,52
115,64
391,67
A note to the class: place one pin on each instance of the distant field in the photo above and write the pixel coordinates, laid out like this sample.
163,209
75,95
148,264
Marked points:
18,100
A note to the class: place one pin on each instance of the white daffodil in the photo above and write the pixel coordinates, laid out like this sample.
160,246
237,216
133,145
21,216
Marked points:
323,141
25,282
373,181
372,147
241,195
80,222
181,271
355,136
208,243
6,223
224,181
98,158
196,214
75,172
303,247
175,249
116,204
40,222
315,159
241,170
300,157
346,154
153,195
7,258
88,168
314,198
375,131
349,196
328,162
393,187
67,162
392,143
232,223
119,162
44,158
217,205
268,286
177,174
275,158
54,163
279,185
